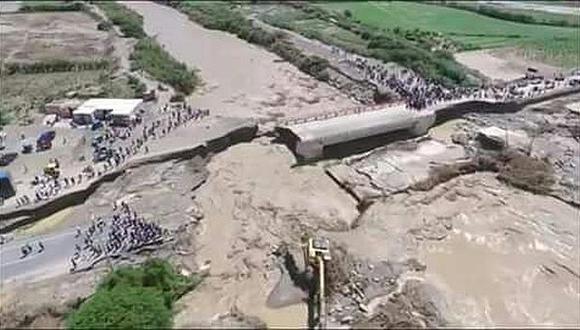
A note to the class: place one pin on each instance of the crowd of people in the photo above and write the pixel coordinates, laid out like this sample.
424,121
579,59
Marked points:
112,148
420,93
124,231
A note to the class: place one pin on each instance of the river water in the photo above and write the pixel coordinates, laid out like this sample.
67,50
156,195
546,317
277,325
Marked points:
240,79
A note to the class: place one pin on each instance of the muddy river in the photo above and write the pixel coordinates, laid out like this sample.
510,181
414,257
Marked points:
240,79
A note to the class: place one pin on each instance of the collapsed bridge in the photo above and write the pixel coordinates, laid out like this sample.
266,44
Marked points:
311,138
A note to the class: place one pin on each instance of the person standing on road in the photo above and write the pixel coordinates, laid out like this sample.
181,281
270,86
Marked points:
40,247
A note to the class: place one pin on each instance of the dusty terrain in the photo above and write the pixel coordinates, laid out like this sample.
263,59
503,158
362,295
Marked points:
502,64
49,36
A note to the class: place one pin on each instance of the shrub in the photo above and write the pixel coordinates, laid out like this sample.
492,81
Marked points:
58,65
134,298
5,116
130,22
151,57
221,17
439,66
48,6
137,86
347,13
509,16
123,307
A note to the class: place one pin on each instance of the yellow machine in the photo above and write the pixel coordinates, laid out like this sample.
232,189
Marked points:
316,253
52,169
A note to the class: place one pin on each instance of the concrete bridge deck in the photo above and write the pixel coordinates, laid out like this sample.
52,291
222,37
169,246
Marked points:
309,137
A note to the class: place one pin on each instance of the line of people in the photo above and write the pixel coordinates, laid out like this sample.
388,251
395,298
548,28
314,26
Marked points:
420,93
118,144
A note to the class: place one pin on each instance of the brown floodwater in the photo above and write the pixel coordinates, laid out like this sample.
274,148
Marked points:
240,79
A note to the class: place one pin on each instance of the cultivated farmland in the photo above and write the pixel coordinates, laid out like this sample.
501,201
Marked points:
557,45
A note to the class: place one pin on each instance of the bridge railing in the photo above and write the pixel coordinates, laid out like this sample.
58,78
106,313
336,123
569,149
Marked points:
539,96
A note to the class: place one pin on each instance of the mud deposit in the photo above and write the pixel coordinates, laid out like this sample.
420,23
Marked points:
492,251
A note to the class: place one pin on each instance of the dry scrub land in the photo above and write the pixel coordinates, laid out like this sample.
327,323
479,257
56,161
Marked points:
47,36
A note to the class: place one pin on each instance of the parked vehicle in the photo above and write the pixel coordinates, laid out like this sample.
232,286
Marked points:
7,158
44,141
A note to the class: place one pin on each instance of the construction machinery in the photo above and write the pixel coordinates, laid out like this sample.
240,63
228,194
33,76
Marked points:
316,254
52,169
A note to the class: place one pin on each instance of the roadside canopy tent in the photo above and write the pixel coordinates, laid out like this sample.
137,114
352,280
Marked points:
84,115
6,187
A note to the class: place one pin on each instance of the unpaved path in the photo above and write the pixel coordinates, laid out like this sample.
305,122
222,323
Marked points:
502,64
572,9
241,79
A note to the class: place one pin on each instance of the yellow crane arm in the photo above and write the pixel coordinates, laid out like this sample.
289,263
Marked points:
321,298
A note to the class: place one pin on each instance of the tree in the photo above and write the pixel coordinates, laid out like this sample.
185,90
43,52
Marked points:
125,307
347,13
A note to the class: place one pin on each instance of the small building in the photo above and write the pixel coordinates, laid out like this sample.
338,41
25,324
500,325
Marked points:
119,111
62,108
84,115
126,112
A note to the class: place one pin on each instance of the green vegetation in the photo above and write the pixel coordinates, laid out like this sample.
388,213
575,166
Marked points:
518,15
56,65
148,55
438,65
423,51
130,23
151,57
224,17
134,298
469,28
5,116
138,87
39,6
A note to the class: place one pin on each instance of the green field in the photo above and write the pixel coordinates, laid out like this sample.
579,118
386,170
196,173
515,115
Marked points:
557,45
